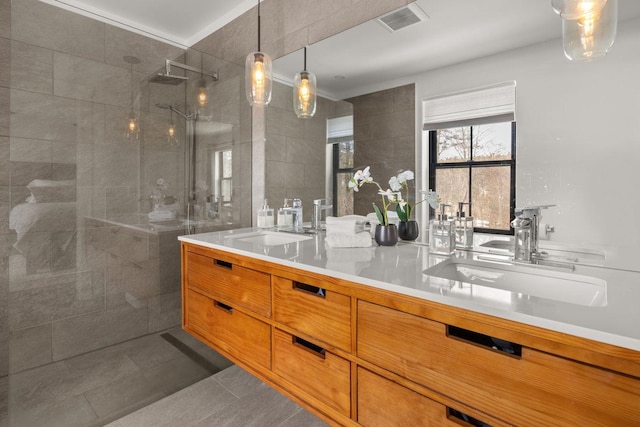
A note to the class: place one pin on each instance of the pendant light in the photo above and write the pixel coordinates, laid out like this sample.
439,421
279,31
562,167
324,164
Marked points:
304,92
258,74
592,35
577,9
172,138
132,132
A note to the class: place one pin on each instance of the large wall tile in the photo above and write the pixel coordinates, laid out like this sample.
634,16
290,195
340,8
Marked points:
30,150
81,334
31,68
30,347
5,60
4,161
151,53
5,18
42,116
5,109
51,27
89,80
37,301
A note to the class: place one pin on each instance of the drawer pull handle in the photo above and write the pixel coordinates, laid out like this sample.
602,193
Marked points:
487,341
315,349
452,413
321,292
224,264
223,307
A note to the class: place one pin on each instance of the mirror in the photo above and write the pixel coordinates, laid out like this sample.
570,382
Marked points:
577,134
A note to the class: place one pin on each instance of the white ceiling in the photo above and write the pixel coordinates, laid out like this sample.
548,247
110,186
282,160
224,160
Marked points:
179,22
456,31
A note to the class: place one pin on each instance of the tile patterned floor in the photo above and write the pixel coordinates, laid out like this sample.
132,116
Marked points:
96,388
230,398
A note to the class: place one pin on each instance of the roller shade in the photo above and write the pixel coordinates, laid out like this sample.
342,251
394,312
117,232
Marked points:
491,104
340,129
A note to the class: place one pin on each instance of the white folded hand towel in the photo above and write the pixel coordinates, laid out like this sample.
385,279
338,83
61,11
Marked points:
348,224
357,240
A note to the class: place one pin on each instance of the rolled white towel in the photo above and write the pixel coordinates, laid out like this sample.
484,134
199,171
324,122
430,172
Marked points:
357,240
348,224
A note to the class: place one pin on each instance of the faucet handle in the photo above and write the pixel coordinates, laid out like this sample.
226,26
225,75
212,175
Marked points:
530,211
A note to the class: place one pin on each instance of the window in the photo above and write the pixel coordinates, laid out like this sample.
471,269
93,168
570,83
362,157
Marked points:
340,139
472,152
342,173
476,164
222,175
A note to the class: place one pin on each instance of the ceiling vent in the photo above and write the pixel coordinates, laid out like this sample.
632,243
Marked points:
402,18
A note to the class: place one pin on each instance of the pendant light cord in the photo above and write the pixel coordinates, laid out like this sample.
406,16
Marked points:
258,25
305,58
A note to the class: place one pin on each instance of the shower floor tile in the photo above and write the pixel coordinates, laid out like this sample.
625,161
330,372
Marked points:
103,385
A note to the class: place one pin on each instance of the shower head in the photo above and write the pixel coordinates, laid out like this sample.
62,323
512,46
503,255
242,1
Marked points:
168,79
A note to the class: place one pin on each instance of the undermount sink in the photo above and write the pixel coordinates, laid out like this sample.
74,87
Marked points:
269,238
533,281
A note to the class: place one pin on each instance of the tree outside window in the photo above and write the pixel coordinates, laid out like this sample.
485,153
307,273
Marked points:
476,164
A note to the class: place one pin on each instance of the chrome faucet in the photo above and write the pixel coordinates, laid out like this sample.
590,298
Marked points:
321,209
296,210
525,227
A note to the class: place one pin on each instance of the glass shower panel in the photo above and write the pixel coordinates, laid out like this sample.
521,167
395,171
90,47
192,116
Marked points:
95,194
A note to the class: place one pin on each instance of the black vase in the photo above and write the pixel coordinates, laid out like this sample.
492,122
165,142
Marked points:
386,235
408,230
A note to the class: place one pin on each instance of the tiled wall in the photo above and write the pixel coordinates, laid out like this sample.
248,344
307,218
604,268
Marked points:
384,138
81,280
286,26
295,150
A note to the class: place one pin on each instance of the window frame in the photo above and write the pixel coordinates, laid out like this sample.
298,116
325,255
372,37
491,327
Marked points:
336,170
471,164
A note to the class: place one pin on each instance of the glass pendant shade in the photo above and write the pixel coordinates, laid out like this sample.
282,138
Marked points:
202,94
133,129
172,137
577,9
592,36
304,94
258,78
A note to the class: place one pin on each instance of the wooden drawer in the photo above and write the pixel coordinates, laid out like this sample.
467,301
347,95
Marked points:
320,373
240,335
532,388
383,403
326,317
230,283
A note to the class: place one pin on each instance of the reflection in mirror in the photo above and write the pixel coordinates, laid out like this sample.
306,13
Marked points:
576,136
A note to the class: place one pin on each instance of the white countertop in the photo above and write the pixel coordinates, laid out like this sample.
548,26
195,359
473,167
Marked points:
400,269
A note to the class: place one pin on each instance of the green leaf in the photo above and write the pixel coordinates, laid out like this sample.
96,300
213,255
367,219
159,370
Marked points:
401,213
379,214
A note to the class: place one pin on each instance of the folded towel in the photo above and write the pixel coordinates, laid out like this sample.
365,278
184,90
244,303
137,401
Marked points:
348,224
357,240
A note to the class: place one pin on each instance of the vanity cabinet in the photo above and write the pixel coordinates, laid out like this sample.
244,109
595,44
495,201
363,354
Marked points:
313,310
358,355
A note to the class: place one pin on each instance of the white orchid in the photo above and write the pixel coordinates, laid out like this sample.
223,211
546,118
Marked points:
395,183
404,208
405,176
389,197
359,178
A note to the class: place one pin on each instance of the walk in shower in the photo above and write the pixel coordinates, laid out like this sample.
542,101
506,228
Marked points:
104,163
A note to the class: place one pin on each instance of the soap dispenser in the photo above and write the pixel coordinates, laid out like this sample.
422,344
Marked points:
265,216
464,228
442,237
285,215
